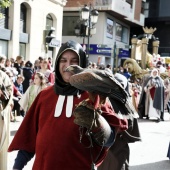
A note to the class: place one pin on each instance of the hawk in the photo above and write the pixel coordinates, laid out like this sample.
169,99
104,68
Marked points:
103,83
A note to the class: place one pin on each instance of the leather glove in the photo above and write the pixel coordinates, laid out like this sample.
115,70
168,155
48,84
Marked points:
90,118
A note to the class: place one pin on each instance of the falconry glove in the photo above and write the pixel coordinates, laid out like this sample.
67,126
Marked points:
90,118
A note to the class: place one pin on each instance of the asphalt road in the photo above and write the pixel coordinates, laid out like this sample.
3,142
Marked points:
149,154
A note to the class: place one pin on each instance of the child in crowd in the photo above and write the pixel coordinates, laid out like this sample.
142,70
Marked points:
33,90
49,75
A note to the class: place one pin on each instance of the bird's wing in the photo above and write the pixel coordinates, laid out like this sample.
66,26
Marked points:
103,83
99,81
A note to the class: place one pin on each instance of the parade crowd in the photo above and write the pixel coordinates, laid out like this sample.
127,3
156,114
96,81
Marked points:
30,78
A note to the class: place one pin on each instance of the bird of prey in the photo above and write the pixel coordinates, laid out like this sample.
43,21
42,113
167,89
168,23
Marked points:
104,83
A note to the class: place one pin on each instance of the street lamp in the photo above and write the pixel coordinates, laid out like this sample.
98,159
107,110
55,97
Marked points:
85,27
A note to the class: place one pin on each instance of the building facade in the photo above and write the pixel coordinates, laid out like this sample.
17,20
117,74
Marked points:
157,15
112,29
25,25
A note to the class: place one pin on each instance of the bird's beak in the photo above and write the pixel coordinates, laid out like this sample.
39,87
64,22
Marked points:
68,69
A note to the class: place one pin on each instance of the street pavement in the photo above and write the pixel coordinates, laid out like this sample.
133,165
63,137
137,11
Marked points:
149,154
12,155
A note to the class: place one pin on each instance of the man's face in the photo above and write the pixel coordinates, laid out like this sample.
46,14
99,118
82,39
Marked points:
68,58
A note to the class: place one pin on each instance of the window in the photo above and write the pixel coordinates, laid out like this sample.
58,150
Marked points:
103,2
118,32
69,24
145,9
49,22
4,47
109,32
23,16
125,35
22,50
121,33
4,18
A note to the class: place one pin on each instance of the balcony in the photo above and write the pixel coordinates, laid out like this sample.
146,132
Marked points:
119,9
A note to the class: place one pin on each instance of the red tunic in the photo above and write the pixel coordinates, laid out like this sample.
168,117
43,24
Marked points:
55,140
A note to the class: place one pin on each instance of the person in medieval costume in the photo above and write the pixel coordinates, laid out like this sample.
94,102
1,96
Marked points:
153,92
58,139
119,153
167,94
6,104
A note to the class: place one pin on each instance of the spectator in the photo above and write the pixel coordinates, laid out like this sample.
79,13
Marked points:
2,60
94,65
109,68
50,64
36,66
27,73
9,67
12,61
16,96
126,73
18,64
49,75
32,91
18,84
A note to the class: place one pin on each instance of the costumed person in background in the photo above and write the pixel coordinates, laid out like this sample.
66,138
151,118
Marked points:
132,95
154,101
167,94
119,153
32,91
6,104
16,96
50,129
136,88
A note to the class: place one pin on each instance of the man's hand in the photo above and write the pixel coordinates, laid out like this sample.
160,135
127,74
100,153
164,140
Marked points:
86,115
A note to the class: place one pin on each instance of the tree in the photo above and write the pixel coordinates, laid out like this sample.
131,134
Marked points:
4,4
